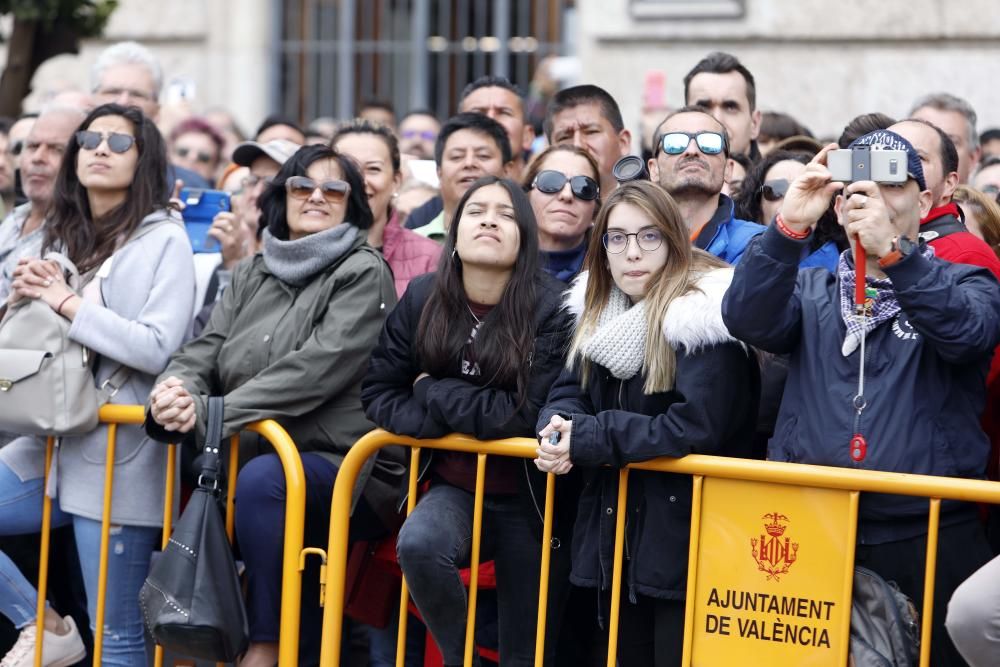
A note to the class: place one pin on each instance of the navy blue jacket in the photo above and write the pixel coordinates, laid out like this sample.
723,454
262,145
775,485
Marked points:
924,379
710,410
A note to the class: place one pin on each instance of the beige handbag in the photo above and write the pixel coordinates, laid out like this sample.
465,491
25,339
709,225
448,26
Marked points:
46,380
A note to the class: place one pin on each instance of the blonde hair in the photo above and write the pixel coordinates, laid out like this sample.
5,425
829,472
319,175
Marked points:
678,276
987,212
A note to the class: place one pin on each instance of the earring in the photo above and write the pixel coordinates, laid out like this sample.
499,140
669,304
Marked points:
395,196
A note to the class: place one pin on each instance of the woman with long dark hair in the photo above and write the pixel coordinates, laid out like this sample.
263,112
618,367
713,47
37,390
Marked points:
290,341
473,349
762,193
651,371
110,218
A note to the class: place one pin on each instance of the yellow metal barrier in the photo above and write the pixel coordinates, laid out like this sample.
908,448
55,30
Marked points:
340,518
291,581
701,468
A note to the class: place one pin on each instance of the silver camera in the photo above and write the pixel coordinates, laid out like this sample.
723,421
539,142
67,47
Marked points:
863,164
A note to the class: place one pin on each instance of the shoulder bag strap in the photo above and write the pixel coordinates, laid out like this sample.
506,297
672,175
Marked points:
210,467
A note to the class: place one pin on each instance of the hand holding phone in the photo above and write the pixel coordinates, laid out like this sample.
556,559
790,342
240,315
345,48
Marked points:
200,209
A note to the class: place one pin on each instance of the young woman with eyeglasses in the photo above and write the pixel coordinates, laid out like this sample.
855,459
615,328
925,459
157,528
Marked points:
651,371
473,349
760,199
562,183
290,341
110,218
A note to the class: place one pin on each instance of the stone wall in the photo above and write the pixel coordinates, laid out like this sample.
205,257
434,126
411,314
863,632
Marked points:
823,61
223,46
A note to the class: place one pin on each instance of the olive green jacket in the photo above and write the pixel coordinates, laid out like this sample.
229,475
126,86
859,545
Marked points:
296,355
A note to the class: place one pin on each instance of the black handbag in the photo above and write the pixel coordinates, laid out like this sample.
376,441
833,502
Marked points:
191,600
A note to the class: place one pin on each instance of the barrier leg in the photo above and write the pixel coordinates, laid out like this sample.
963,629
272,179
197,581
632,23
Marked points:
234,464
404,593
616,571
340,517
543,575
295,511
933,522
693,549
168,524
43,556
477,535
102,572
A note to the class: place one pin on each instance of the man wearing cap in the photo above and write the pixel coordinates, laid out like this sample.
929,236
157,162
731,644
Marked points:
237,237
922,347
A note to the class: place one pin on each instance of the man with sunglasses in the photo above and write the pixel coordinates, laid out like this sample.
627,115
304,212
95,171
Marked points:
691,162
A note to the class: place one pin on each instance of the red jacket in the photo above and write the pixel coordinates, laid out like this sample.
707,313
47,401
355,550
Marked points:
409,254
966,248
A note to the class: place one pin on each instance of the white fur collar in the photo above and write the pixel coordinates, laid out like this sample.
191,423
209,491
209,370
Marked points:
692,321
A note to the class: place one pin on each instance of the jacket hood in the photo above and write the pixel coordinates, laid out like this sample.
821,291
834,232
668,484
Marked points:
692,321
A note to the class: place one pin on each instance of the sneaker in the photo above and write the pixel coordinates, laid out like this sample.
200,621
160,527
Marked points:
57,650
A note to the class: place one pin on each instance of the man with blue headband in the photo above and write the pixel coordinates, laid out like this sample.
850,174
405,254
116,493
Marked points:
890,377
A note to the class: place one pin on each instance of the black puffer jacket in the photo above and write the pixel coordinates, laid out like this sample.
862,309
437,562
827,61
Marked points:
711,410
456,404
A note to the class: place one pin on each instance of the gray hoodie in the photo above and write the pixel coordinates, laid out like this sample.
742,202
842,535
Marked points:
148,294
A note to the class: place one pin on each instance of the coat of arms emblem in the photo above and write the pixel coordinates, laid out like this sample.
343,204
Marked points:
774,552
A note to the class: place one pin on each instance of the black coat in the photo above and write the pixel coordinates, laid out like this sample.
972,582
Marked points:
456,404
711,409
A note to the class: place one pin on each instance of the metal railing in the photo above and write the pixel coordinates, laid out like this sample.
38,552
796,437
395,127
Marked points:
698,466
291,581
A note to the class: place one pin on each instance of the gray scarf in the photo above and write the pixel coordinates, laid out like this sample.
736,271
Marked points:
619,343
295,262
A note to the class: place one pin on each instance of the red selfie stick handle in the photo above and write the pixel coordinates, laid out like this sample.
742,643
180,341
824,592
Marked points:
859,273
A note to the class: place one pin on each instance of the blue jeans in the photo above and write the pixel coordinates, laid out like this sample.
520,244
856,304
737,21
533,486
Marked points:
436,540
260,533
130,548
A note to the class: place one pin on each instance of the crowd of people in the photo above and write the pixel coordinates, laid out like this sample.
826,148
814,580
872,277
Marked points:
495,276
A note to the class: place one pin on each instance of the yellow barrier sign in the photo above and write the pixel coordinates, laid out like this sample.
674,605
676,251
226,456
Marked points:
773,575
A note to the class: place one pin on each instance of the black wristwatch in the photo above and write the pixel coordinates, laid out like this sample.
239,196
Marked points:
901,247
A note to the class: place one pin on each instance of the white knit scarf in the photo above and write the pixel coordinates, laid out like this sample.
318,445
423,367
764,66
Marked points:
619,343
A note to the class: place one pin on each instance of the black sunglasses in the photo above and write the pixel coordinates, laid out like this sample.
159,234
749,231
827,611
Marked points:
199,156
774,190
302,187
550,182
117,142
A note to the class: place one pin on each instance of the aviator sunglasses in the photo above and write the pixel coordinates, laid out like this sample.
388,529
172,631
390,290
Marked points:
117,142
302,187
550,182
709,143
774,190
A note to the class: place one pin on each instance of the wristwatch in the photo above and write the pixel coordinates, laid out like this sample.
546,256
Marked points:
901,247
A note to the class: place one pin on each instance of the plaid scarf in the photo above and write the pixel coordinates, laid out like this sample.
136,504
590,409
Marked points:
881,304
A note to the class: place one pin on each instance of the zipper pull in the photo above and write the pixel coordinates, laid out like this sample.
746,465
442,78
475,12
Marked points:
859,448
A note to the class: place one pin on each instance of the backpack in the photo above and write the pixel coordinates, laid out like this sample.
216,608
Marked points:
885,630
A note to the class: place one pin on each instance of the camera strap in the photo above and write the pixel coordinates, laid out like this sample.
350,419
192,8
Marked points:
858,447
